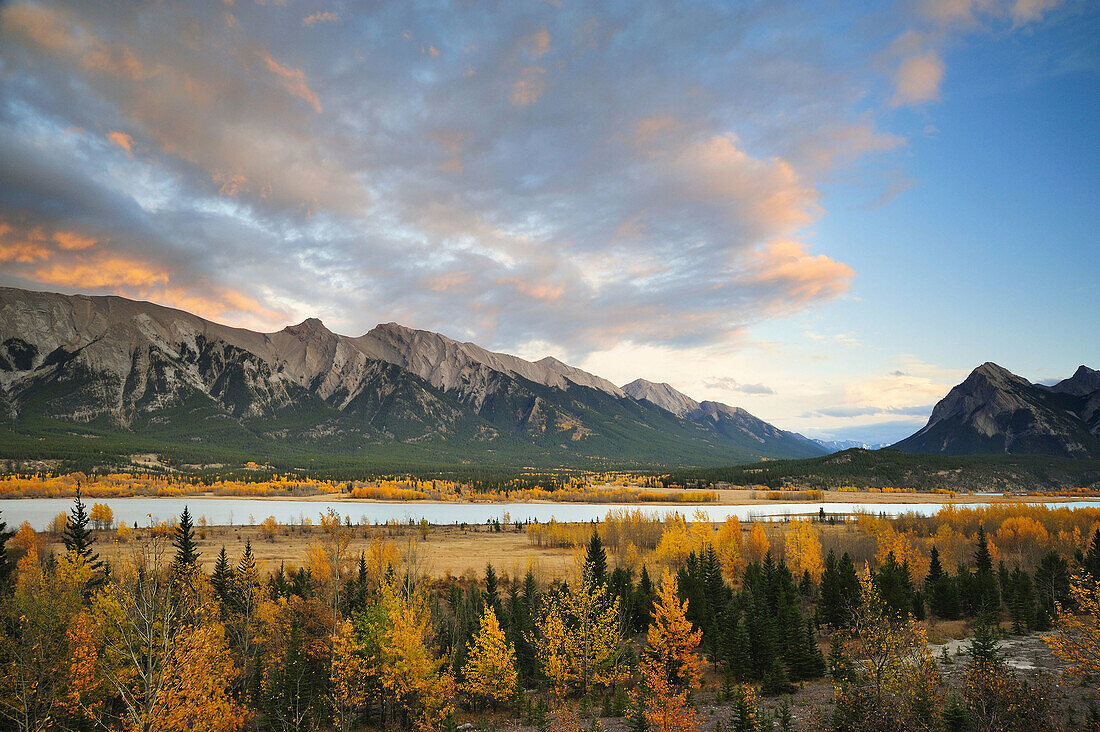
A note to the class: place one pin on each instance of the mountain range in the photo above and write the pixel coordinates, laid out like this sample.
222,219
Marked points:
997,412
81,373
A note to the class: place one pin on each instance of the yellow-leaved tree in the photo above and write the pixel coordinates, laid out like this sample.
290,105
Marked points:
758,544
410,672
672,640
1077,641
490,672
887,678
730,548
580,637
349,676
670,668
803,550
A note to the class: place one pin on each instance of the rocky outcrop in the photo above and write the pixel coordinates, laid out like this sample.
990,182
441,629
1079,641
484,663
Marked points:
996,411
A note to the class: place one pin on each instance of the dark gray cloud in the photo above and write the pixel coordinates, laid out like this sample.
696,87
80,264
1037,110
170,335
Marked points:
574,174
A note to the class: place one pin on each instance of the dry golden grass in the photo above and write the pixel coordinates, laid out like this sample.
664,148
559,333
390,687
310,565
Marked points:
446,550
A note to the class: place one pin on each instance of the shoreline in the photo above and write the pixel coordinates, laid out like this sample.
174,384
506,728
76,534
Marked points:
726,497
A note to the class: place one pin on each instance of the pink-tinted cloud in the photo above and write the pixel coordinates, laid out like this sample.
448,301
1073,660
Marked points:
320,17
917,80
293,80
122,140
799,275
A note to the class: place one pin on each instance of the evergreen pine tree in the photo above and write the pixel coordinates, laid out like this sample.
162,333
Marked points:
6,565
492,592
222,578
983,646
186,553
1091,563
596,558
78,538
986,597
955,717
1052,582
776,681
643,601
935,569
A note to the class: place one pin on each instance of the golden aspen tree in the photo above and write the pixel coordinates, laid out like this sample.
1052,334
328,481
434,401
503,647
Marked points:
666,707
758,544
892,680
671,638
730,548
410,672
83,699
1077,640
803,549
198,676
348,677
490,672
580,639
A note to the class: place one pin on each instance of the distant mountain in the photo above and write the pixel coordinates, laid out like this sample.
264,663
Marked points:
994,411
81,375
832,446
734,423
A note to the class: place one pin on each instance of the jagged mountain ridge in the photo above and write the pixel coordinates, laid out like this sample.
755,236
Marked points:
733,422
995,411
133,366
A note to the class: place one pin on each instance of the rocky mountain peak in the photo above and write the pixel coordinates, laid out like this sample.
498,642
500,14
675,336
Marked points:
308,328
661,394
1084,381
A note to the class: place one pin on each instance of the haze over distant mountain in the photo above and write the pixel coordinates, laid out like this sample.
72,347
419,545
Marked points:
838,445
88,368
996,411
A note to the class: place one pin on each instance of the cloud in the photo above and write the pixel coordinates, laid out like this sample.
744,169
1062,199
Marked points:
917,411
122,140
725,383
918,79
320,17
293,80
645,175
530,86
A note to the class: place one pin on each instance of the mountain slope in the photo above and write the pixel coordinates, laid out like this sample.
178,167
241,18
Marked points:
733,424
994,411
75,369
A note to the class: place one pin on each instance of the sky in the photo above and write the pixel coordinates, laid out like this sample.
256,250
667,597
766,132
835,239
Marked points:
827,213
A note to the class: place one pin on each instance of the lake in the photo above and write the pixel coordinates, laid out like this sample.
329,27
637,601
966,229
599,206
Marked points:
40,512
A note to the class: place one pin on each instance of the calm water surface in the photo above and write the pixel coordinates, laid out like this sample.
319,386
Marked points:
242,511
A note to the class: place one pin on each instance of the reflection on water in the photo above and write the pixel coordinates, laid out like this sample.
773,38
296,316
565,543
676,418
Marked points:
242,511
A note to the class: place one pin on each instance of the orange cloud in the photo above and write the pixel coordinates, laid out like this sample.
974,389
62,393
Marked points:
293,80
24,252
802,275
122,140
107,270
529,87
324,17
71,241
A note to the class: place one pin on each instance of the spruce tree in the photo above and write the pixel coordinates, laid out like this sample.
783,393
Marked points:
935,569
986,597
643,601
492,592
78,538
6,565
596,558
222,578
186,553
1091,563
